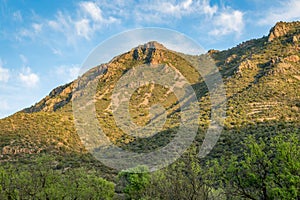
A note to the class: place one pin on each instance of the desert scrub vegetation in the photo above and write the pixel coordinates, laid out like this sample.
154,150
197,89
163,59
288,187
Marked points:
265,167
45,180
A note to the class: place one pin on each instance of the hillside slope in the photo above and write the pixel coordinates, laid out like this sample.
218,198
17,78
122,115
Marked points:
261,76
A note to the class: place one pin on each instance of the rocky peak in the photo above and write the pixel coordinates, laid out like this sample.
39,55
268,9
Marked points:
147,51
152,45
281,29
212,51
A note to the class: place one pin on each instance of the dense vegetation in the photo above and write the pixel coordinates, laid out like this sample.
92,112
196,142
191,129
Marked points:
43,179
265,168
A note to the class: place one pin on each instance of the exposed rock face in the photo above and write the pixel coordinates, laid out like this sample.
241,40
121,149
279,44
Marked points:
62,95
230,58
212,51
281,29
246,64
278,30
57,98
147,51
292,58
296,38
12,150
281,67
152,45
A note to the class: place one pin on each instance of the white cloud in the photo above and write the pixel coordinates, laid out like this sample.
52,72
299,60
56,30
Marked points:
87,19
157,11
68,73
207,9
62,22
74,72
83,28
29,78
285,11
4,73
177,9
17,16
92,9
30,32
165,9
92,19
23,33
37,27
181,43
57,24
186,4
215,20
228,22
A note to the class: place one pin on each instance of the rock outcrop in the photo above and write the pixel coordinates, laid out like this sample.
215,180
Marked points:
292,58
281,29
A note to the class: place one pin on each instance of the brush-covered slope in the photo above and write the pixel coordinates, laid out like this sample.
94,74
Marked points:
261,76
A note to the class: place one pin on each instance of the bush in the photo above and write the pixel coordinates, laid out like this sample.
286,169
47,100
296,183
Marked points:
268,169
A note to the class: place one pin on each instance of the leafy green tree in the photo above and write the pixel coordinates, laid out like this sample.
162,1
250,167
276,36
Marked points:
8,180
186,178
43,181
83,184
136,180
268,169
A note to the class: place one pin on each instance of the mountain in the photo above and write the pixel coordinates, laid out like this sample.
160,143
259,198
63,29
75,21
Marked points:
261,77
43,155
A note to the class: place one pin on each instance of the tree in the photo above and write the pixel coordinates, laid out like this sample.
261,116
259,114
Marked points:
187,178
7,182
42,181
268,169
136,180
84,184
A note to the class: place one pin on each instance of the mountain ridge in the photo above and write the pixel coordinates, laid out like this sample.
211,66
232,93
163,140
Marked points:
141,52
261,78
281,29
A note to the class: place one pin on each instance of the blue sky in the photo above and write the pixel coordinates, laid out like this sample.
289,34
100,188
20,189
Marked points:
44,43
